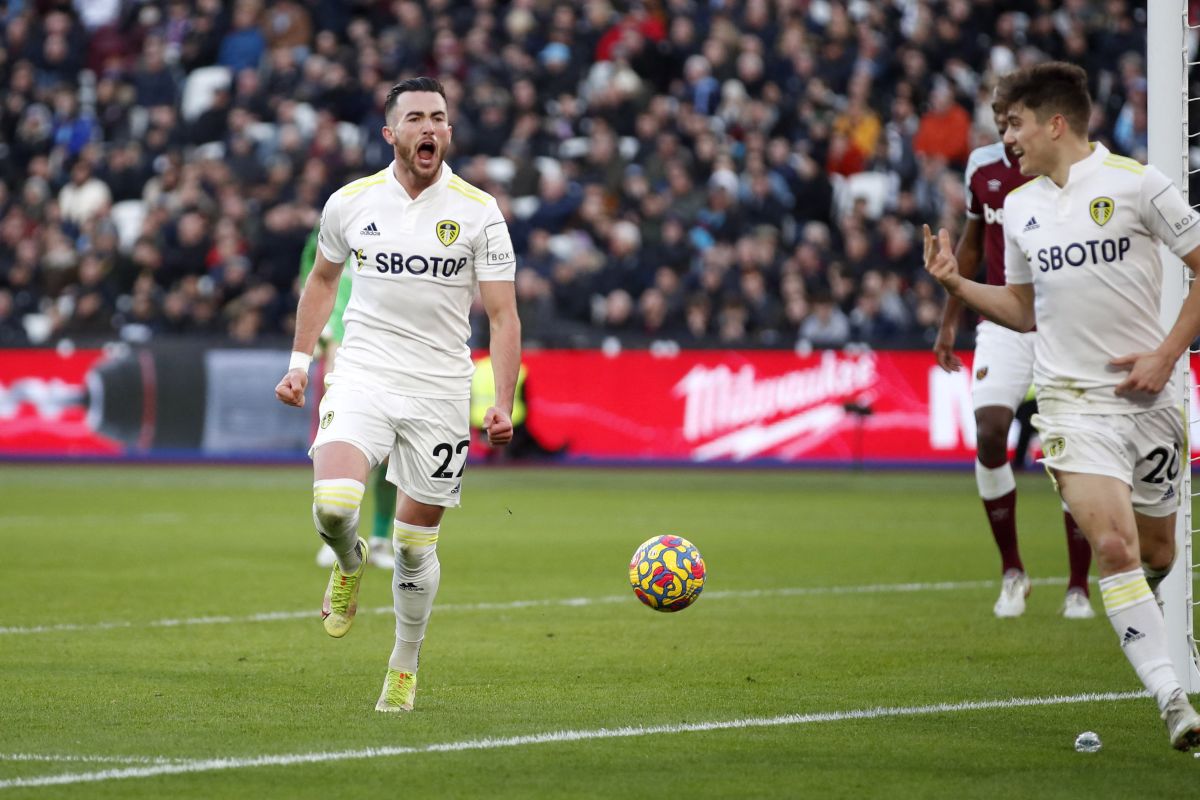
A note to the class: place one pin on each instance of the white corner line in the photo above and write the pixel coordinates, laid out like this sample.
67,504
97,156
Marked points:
556,737
571,602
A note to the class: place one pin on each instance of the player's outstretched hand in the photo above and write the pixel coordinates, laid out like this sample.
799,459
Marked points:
498,427
939,258
290,390
1148,373
943,349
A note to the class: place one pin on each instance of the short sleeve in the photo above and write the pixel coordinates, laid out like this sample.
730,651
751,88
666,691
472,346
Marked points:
1168,216
1016,265
974,208
494,256
331,238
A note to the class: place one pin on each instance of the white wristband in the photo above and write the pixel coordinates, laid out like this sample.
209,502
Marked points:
299,361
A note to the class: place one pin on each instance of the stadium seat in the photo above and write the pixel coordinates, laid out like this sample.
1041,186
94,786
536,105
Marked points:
202,84
210,151
261,132
525,207
349,134
127,216
501,170
548,166
38,327
874,187
305,117
575,147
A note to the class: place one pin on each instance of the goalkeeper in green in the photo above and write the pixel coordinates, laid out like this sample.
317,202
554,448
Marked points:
383,491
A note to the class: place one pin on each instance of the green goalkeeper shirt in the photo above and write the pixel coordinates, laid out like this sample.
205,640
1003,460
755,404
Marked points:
335,329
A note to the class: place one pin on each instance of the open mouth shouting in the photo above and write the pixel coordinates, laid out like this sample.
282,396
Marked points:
426,155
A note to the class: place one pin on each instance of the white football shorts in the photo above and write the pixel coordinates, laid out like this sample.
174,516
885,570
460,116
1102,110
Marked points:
426,438
1003,366
1144,449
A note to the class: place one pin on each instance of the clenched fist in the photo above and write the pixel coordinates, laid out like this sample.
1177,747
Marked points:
498,427
290,390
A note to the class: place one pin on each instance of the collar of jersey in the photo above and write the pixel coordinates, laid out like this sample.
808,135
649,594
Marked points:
1081,169
436,188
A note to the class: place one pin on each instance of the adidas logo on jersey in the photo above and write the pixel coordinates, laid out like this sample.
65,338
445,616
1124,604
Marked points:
1131,635
370,230
1169,493
1032,225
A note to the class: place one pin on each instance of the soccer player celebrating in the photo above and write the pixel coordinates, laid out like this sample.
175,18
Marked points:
422,239
1003,374
1081,258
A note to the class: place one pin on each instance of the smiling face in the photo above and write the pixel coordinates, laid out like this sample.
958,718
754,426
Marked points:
1031,141
419,131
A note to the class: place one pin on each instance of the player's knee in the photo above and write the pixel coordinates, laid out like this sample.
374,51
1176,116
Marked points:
1115,554
333,518
992,441
1159,556
335,504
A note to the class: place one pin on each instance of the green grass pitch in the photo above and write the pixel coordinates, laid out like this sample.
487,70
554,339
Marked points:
159,637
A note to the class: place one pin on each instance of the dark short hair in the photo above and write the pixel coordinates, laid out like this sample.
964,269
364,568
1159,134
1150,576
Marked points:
1055,87
422,84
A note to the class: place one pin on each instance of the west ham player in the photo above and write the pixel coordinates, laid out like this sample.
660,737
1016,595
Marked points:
422,239
1081,259
1003,374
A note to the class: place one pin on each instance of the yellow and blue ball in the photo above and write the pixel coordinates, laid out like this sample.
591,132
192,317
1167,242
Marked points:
667,573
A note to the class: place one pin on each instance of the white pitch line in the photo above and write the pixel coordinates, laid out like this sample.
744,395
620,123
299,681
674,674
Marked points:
569,602
59,758
557,737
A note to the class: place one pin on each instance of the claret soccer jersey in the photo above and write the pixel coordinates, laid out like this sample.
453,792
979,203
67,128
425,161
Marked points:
415,268
990,175
1090,249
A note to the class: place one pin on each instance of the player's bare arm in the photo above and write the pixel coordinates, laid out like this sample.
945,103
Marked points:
1149,372
316,303
500,303
1010,305
968,254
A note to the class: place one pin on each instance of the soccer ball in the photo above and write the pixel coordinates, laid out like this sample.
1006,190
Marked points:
667,573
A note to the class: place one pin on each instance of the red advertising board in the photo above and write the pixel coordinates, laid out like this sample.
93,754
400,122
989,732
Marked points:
713,406
44,404
827,407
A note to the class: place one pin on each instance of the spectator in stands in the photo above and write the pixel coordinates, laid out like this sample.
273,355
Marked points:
153,80
945,128
698,127
85,196
827,326
244,45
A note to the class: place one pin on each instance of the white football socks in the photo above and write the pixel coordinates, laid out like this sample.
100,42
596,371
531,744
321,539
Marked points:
418,574
335,513
994,482
1140,628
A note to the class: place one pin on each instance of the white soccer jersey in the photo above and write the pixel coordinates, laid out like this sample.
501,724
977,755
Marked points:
416,264
1090,249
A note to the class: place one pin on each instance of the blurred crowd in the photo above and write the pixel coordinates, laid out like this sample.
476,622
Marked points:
713,173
